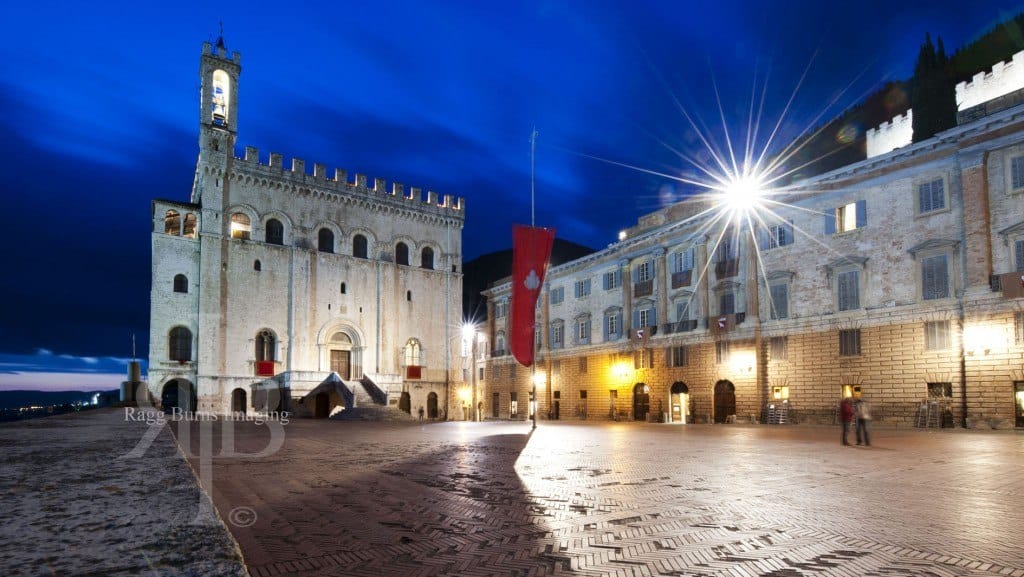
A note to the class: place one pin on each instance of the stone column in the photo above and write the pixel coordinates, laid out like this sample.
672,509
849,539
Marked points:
627,296
977,221
753,277
701,264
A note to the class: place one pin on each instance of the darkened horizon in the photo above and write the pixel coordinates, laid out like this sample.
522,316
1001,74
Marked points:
100,117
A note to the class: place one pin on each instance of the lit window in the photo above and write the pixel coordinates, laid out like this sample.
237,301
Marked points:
189,230
172,223
413,352
241,227
846,218
722,352
220,98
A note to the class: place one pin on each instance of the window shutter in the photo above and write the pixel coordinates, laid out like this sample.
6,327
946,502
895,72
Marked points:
1019,256
789,232
618,323
605,279
653,321
763,236
604,331
636,319
830,221
862,213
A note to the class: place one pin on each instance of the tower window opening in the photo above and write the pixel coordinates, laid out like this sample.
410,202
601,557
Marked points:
275,232
220,98
172,223
241,227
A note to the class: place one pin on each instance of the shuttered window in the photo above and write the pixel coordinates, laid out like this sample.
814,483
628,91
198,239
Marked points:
780,301
849,290
931,196
935,277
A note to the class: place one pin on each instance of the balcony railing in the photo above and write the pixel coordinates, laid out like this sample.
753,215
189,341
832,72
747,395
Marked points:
499,353
681,279
643,288
680,326
727,268
643,333
725,323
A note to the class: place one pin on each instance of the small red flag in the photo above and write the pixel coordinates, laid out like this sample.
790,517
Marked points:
531,249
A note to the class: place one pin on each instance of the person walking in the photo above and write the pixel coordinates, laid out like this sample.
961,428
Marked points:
863,411
847,414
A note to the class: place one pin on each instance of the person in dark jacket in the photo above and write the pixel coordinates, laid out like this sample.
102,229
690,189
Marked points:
847,413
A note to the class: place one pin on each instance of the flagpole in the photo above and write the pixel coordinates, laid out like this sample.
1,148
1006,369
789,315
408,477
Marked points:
533,375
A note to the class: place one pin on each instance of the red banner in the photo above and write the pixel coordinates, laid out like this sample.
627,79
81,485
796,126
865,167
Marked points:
531,249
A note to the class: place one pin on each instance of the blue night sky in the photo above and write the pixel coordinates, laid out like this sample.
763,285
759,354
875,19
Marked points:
98,117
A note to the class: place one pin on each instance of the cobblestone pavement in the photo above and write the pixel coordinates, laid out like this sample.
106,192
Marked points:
381,499
75,500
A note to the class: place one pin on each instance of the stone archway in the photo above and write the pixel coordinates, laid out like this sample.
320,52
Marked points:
178,394
725,401
641,402
238,398
679,403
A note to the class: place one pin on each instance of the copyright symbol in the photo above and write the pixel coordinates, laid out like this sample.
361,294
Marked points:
242,516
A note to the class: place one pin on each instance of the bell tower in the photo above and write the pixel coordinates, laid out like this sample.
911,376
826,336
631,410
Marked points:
218,109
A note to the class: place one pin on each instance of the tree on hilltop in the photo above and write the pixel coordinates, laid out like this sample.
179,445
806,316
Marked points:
932,93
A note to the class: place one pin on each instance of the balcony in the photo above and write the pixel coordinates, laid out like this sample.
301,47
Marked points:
499,353
643,288
725,323
681,279
679,327
727,268
265,368
642,333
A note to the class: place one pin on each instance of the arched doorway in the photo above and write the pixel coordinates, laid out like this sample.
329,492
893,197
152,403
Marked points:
178,394
725,401
341,355
322,405
405,403
679,400
641,402
432,406
238,401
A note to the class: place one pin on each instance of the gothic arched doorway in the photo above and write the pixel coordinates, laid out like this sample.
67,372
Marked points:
679,401
641,402
725,401
432,406
178,394
405,403
238,401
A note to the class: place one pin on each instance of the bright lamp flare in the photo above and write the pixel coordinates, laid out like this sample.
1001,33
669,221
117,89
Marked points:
742,193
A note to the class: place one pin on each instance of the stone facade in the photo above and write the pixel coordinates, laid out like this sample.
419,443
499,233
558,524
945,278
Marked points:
892,278
271,279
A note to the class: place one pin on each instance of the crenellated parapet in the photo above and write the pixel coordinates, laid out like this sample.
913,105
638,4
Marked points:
1004,78
896,133
339,183
222,52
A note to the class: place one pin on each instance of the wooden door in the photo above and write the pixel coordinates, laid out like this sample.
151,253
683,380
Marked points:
340,363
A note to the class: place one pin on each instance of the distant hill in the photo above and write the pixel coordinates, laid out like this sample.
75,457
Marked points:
841,141
17,399
481,272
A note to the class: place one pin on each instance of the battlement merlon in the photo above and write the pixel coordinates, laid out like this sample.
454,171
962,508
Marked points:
339,181
236,56
1003,78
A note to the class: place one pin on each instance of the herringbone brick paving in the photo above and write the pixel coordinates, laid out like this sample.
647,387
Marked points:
382,499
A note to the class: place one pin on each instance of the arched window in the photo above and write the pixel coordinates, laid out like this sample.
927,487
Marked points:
427,260
413,353
190,226
266,345
172,223
240,226
402,254
179,344
180,283
325,240
275,232
221,98
343,288
257,265
359,246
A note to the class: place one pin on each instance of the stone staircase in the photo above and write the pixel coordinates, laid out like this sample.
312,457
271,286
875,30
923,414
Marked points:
370,404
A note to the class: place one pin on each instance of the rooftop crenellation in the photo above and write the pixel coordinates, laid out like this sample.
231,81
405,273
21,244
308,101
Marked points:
340,182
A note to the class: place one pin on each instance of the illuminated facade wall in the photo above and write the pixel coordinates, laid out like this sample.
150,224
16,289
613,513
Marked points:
881,279
307,261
